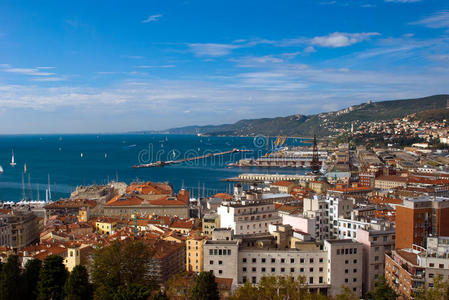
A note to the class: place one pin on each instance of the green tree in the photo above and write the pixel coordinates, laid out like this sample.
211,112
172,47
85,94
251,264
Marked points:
30,279
10,278
205,287
132,291
246,292
52,278
160,296
382,291
179,286
439,291
346,294
77,286
118,266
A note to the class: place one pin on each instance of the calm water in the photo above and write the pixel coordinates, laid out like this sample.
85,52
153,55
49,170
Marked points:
73,160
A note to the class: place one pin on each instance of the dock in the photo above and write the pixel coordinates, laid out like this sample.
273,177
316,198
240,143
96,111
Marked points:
178,161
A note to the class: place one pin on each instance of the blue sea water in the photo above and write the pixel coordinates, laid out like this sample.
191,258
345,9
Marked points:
73,160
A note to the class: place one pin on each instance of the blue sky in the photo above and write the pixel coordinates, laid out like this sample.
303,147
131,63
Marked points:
115,66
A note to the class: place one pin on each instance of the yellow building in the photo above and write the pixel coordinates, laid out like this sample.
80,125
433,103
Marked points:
106,226
83,215
194,253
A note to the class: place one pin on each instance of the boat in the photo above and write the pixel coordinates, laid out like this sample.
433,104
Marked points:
12,163
1,169
105,155
81,155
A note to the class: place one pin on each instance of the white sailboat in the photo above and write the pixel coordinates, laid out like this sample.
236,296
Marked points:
12,163
1,169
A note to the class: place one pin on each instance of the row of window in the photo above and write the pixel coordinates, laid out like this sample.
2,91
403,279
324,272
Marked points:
346,251
219,251
254,280
273,270
282,260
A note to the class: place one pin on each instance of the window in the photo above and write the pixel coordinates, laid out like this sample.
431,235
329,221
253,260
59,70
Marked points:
430,275
338,251
229,251
211,252
244,279
311,260
301,270
346,262
320,280
311,280
355,261
244,269
211,262
254,269
220,272
273,270
355,270
431,265
346,280
441,266
263,260
220,262
355,250
354,280
254,280
346,271
292,270
321,269
282,260
292,260
376,258
254,260
244,259
301,260
282,270
321,260
310,269
273,260
263,270
220,252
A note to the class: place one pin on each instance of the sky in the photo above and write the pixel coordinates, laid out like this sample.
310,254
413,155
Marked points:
118,66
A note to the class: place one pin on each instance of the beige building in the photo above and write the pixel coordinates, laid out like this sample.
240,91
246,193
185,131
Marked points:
210,222
194,253
25,228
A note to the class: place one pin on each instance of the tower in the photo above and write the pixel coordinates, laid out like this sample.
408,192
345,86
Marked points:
315,163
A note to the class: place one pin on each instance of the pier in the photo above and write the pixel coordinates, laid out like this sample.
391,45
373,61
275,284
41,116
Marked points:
178,161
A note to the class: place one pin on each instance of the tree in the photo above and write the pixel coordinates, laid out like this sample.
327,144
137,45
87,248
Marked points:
52,278
10,278
382,291
179,286
118,266
246,292
161,296
205,287
77,286
346,294
133,291
30,279
439,291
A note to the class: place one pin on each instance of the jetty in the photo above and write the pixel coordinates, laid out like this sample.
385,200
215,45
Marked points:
178,161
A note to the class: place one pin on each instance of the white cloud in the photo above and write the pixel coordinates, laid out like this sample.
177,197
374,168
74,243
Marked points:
437,20
341,39
48,79
212,49
28,71
309,49
156,67
152,18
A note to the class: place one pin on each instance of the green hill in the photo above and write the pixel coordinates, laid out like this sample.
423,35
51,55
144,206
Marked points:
302,125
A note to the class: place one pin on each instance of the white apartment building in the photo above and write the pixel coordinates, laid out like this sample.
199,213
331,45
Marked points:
248,217
326,267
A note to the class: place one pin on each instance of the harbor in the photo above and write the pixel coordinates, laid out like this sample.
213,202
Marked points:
178,161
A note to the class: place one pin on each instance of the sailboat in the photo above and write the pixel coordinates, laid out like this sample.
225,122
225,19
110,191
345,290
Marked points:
12,163
1,169
81,154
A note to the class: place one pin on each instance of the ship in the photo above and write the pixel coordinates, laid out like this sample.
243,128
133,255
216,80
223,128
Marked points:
12,163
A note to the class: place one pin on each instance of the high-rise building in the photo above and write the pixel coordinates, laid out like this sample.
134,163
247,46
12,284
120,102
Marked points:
418,218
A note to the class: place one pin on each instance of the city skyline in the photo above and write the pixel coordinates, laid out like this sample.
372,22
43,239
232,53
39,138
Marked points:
116,67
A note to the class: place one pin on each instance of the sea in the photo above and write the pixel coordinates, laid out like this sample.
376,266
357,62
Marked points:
63,162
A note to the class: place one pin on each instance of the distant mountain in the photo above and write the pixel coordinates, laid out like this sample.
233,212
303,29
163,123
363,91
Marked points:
307,125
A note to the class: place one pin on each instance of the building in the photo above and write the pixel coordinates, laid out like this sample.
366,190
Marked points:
418,218
375,244
106,225
210,222
248,217
327,267
169,259
283,186
24,228
194,253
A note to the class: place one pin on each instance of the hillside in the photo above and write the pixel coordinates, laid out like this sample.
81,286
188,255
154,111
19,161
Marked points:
302,125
